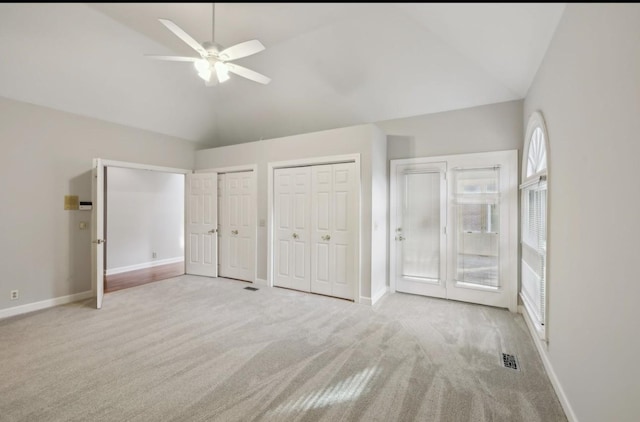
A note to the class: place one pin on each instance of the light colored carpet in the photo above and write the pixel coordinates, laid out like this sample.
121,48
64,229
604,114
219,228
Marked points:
200,349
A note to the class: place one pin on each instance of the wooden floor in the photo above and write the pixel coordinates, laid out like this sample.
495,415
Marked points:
138,277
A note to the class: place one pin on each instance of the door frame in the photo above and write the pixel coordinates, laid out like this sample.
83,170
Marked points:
333,159
237,169
101,165
510,193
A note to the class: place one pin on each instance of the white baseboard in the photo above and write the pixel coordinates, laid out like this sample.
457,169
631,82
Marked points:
43,304
542,350
377,296
365,300
144,265
261,281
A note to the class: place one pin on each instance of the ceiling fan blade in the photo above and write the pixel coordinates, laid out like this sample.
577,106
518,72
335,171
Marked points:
243,49
248,73
173,58
184,36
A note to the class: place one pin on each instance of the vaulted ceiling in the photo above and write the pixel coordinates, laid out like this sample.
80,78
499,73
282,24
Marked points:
331,64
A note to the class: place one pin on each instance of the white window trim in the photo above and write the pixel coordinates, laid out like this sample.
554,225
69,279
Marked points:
536,120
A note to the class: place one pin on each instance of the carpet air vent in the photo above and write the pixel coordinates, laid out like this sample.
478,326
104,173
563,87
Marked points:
253,289
510,361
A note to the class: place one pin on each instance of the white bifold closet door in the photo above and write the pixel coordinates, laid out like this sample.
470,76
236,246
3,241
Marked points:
333,220
292,203
236,230
315,217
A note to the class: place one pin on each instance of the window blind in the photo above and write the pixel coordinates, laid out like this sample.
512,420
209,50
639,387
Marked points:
534,246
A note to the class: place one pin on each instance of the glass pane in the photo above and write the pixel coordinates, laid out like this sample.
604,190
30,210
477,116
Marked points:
537,158
421,225
477,226
476,181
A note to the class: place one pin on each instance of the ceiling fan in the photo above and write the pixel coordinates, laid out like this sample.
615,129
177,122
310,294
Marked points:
214,60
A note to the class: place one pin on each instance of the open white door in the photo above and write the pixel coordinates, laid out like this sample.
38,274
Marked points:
202,224
97,227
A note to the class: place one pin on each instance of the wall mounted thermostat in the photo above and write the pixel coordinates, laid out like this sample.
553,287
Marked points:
85,205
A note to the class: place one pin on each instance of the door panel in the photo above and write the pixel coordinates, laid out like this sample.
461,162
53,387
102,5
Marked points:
479,207
202,253
237,229
419,225
334,220
292,254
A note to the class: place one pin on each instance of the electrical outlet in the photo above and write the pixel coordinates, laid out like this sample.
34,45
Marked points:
154,255
14,295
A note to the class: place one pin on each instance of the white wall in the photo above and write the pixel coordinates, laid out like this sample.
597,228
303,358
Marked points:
588,89
494,127
379,215
45,155
145,214
351,140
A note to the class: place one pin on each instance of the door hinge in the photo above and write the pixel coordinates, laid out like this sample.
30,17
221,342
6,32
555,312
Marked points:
445,230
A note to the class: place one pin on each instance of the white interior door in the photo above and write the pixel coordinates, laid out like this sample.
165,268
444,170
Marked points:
202,225
418,221
333,220
237,225
291,257
97,226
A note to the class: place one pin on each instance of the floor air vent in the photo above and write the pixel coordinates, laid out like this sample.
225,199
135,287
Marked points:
510,361
253,289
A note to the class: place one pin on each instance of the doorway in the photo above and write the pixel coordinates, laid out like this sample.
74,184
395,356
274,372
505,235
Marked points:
98,250
144,223
454,227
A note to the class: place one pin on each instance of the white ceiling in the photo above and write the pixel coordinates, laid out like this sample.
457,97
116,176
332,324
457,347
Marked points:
331,64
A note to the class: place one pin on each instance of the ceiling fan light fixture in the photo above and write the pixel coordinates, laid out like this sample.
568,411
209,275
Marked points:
202,65
222,71
204,69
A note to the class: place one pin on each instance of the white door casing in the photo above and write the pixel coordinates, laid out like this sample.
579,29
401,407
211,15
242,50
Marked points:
291,258
418,222
223,232
97,227
237,225
202,225
333,220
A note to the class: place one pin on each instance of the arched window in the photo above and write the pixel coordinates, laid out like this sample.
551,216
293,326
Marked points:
533,291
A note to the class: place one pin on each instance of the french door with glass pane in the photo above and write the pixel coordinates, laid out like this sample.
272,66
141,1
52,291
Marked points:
420,221
454,222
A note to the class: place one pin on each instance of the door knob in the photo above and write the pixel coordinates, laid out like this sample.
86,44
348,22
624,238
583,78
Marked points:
295,235
234,231
99,241
213,231
326,237
400,238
